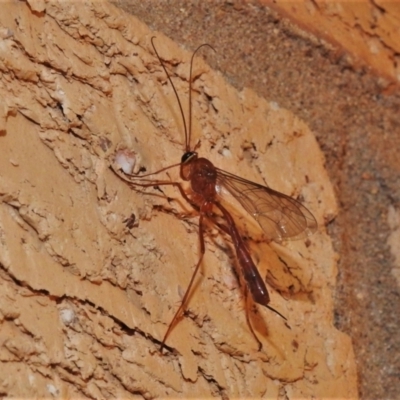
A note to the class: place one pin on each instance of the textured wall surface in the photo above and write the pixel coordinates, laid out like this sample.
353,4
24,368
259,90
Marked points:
86,299
367,31
352,105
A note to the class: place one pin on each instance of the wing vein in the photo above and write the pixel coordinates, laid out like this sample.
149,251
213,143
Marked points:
279,216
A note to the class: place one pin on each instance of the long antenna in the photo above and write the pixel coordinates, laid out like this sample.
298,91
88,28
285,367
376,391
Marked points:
188,133
176,93
190,92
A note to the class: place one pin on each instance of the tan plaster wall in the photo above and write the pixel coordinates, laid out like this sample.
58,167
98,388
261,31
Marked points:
354,115
367,31
85,301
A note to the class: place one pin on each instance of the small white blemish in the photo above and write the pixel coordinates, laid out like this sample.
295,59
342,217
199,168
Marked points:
226,152
274,105
67,316
126,160
6,33
374,46
52,390
31,379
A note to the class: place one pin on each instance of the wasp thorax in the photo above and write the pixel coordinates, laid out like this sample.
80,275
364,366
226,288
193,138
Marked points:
203,176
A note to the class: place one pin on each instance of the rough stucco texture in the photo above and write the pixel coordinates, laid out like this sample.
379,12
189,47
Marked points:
84,299
368,30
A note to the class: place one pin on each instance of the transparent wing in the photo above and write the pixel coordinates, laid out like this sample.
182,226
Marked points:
280,216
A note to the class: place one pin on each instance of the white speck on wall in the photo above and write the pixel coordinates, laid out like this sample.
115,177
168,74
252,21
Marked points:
67,316
52,389
126,160
330,345
374,45
226,152
274,105
6,33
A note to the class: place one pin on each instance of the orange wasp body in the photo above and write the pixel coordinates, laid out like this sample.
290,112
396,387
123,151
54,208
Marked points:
280,216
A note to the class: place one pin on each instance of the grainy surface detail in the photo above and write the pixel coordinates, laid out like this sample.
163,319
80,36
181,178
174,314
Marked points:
86,299
366,31
355,116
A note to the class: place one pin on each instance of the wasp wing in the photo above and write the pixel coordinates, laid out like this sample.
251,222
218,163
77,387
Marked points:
280,216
